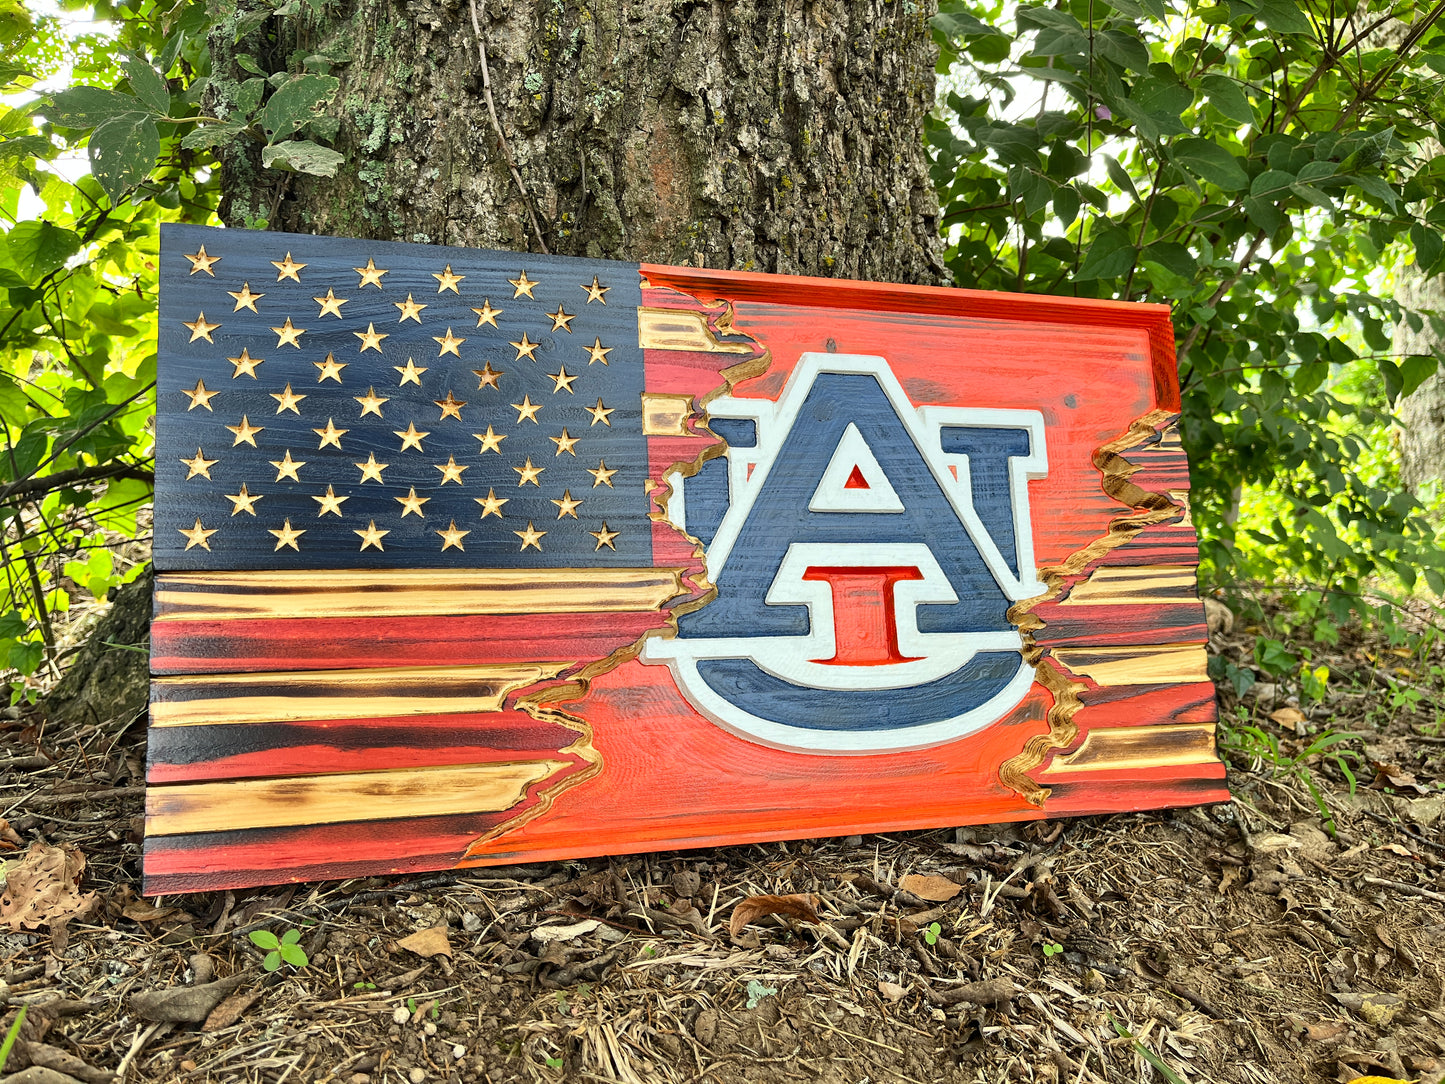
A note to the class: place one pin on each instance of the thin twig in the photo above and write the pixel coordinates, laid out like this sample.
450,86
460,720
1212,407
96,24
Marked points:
501,136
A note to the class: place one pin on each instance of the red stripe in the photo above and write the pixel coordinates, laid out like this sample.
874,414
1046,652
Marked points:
338,643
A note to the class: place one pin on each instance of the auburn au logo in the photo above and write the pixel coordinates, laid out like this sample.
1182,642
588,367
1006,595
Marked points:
865,552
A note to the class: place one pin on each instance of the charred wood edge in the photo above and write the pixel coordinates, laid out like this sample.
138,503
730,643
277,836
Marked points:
1401,826
987,992
48,483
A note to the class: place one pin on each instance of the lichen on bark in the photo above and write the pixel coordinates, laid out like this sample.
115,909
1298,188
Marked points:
763,135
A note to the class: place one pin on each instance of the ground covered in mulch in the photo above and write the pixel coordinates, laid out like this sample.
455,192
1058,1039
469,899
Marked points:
1260,941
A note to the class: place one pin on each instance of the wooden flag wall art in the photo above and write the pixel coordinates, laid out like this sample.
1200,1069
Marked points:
467,558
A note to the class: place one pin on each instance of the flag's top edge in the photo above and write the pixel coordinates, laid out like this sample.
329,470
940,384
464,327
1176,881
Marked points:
173,232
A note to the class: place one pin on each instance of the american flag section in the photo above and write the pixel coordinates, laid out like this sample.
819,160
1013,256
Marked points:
402,491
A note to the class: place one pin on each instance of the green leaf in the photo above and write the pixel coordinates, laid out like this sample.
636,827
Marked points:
205,136
1118,175
291,937
1284,17
1414,371
1228,97
123,151
1110,255
1271,184
87,107
272,960
36,248
1172,256
1066,204
1427,245
960,24
148,86
1209,162
291,106
248,96
264,939
294,955
302,156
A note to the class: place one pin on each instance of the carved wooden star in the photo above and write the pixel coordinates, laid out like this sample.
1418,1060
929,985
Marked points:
491,504
330,435
199,465
531,537
371,469
201,262
288,333
486,314
287,400
595,291
604,537
286,536
491,441
487,376
410,310
287,467
371,402
527,410
452,536
245,364
567,506
371,338
448,343
411,436
451,406
523,285
330,503
245,299
330,303
526,348
562,320
198,535
370,274
200,396
564,443
330,368
243,501
245,432
599,413
287,269
372,537
563,380
447,281
529,474
450,471
598,352
411,503
201,330
410,373
602,476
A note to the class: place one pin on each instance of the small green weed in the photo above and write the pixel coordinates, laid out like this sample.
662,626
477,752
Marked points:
1148,1055
931,934
757,992
1052,948
11,1036
282,950
1263,748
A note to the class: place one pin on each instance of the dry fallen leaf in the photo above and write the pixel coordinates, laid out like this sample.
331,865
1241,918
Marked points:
141,911
1289,717
428,943
9,838
565,933
798,906
932,888
41,887
891,990
229,1011
1324,1031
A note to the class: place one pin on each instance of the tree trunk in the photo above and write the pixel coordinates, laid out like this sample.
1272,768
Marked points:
1422,413
765,135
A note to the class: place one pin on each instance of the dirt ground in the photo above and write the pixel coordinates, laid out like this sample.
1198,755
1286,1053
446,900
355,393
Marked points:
1233,943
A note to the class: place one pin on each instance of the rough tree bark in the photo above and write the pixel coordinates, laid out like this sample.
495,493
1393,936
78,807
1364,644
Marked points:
1422,413
767,135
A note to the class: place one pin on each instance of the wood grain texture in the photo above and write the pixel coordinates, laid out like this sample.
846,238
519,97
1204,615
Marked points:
337,694
330,799
1138,747
1147,664
415,593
